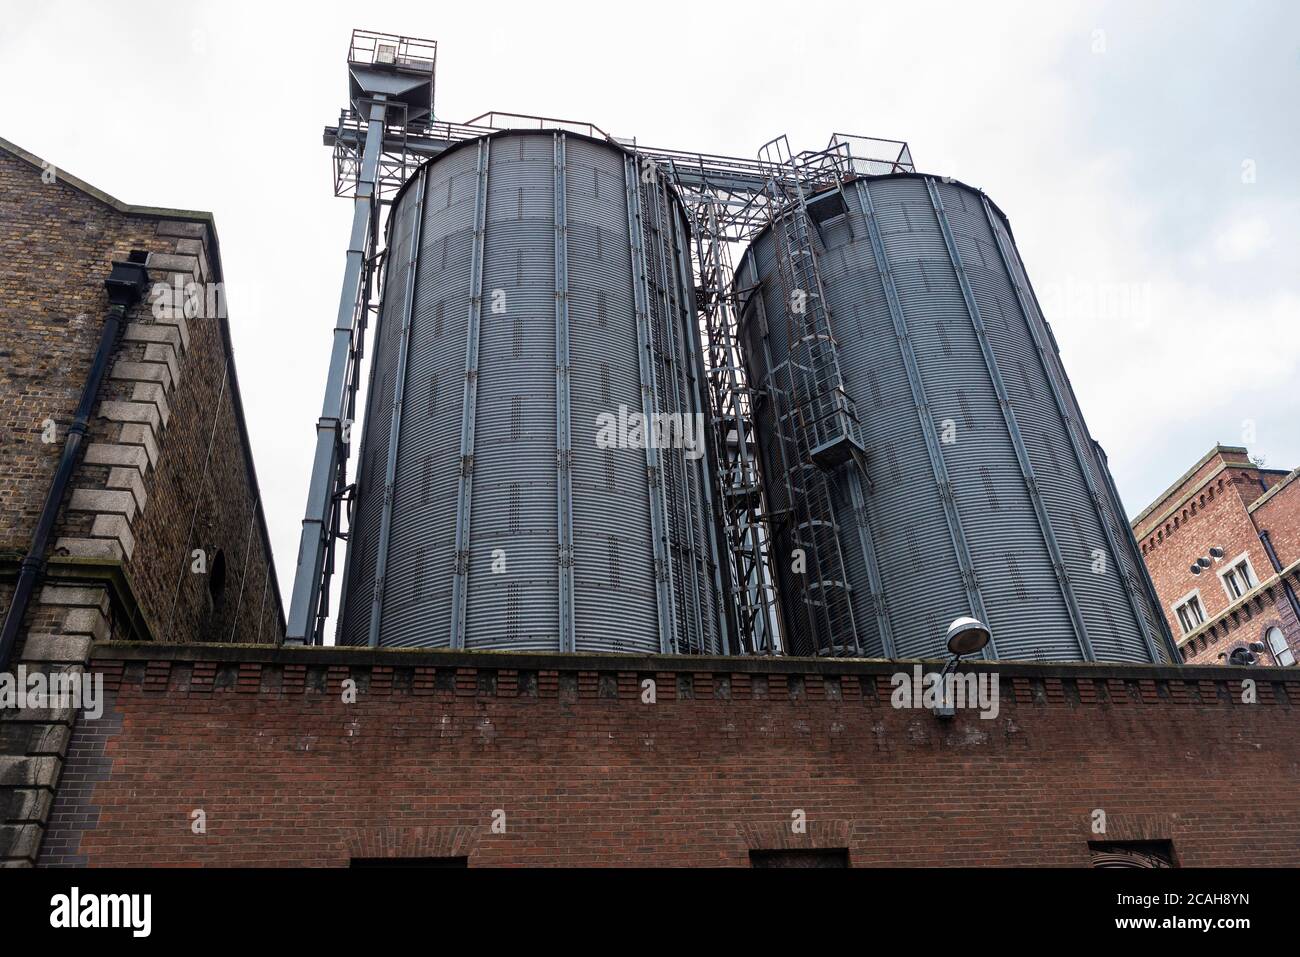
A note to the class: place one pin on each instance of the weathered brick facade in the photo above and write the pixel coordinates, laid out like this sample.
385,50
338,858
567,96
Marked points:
567,753
1226,501
165,468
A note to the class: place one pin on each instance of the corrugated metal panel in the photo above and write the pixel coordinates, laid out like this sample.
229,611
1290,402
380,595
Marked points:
1023,505
547,199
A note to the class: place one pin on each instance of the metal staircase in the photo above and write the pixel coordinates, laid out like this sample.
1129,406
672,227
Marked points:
816,424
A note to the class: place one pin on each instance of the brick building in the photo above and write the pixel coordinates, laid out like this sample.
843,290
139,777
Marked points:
159,533
1223,548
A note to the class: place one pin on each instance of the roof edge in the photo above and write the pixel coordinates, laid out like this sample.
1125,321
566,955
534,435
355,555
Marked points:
76,182
1186,476
209,220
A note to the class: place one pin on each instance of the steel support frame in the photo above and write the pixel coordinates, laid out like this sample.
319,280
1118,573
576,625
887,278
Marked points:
707,465
726,397
1013,426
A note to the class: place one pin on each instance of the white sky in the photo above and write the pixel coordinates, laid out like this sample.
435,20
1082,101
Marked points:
1112,134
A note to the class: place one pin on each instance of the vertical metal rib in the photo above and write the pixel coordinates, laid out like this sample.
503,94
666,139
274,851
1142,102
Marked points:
1013,427
395,426
862,519
706,468
1063,409
563,417
675,392
960,547
649,398
460,583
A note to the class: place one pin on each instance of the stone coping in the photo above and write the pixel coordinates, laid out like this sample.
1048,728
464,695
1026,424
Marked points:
389,658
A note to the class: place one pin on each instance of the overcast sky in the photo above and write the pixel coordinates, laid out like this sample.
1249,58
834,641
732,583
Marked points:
1147,154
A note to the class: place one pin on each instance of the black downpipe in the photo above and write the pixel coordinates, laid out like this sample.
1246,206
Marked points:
125,284
1277,568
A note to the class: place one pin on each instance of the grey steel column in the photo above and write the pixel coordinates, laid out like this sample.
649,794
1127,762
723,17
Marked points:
395,430
312,545
563,415
1013,427
1063,409
469,403
654,480
922,404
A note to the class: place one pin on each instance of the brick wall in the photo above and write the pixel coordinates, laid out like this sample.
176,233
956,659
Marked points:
1279,515
586,773
1225,501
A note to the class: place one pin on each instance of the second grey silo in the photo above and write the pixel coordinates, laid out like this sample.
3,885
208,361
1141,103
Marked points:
983,492
537,283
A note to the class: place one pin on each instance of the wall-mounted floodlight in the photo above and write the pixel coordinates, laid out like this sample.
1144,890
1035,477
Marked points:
966,636
1216,553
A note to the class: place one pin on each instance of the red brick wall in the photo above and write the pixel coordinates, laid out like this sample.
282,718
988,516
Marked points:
588,774
1280,517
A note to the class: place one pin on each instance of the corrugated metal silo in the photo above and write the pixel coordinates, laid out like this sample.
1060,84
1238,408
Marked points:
982,493
535,281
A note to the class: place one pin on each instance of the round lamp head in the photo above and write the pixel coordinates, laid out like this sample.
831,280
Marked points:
967,636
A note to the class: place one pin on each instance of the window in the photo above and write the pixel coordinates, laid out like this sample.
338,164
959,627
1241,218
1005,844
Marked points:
817,857
1278,647
1132,854
1190,613
1238,578
217,578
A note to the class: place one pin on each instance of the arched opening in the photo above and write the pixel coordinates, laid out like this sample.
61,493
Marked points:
1278,647
217,579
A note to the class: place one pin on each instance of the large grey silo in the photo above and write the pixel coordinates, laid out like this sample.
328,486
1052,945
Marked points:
534,280
983,492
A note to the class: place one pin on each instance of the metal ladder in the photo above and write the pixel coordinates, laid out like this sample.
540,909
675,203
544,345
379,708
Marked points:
816,427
